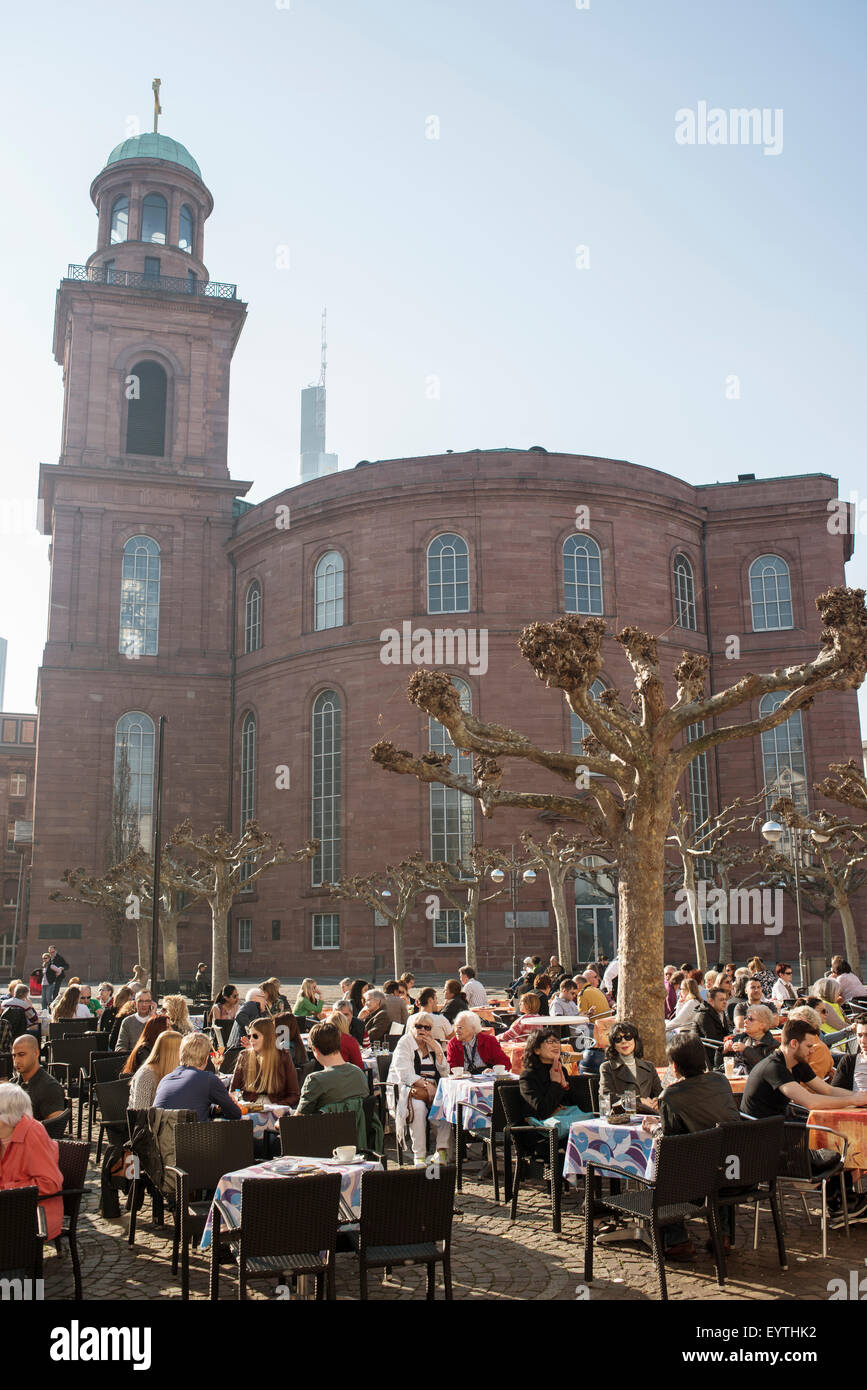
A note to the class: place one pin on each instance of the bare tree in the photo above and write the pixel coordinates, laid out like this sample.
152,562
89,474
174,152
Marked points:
392,894
462,885
638,753
222,867
843,856
560,855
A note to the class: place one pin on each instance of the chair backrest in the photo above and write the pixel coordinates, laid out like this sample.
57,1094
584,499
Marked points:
69,1027
19,1240
406,1206
751,1153
585,1091
230,1057
687,1167
355,1106
207,1152
795,1152
383,1065
107,1066
515,1111
290,1216
16,1019
57,1127
392,1039
316,1136
72,1161
6,1067
223,1028
76,1052
499,1119
112,1097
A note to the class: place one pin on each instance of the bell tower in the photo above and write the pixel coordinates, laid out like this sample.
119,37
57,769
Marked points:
139,506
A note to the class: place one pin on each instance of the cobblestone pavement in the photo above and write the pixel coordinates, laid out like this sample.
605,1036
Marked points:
492,1258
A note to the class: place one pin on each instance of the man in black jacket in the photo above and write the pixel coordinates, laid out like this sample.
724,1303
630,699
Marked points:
711,1024
255,1004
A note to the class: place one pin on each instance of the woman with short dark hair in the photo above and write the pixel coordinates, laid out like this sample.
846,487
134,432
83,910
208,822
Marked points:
356,995
626,1069
546,1090
456,1000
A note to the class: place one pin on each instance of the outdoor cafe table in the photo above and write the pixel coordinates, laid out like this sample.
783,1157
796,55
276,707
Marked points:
229,1188
264,1121
466,1099
852,1124
625,1150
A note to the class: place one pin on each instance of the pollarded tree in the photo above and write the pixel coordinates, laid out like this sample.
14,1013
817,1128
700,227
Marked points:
462,885
108,894
639,754
842,851
391,893
559,856
222,867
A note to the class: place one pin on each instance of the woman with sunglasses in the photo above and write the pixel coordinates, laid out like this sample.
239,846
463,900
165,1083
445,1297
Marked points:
756,1041
417,1064
265,1071
627,1069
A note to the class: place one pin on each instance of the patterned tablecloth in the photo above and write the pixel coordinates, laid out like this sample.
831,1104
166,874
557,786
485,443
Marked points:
474,1093
852,1124
264,1121
229,1190
625,1148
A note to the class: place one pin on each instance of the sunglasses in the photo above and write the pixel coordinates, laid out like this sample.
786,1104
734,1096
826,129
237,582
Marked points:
424,1028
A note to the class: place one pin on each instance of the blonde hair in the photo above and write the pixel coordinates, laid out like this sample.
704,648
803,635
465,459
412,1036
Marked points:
177,1013
163,1056
340,1021
195,1049
691,986
306,991
808,1014
262,1069
756,964
271,990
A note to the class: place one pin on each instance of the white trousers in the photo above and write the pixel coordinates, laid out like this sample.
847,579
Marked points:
417,1127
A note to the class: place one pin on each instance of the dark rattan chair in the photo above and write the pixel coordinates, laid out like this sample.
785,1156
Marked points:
73,1054
112,1099
69,1028
406,1219
796,1170
286,1223
750,1166
487,1137
104,1068
57,1127
316,1136
20,1241
72,1161
687,1177
203,1154
537,1152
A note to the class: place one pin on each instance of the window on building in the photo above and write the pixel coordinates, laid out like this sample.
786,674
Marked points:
582,575
451,811
146,410
327,786
699,799
579,728
18,784
329,591
770,593
120,220
784,765
108,272
65,931
448,575
245,934
248,781
253,617
10,892
192,281
185,229
140,597
151,267
134,773
10,835
449,928
275,930
154,217
684,593
326,931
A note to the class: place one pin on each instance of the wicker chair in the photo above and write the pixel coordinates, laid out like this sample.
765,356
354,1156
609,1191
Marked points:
72,1161
536,1151
20,1238
487,1137
752,1153
70,1057
406,1219
69,1028
57,1127
286,1223
112,1099
203,1154
687,1175
316,1136
796,1170
104,1066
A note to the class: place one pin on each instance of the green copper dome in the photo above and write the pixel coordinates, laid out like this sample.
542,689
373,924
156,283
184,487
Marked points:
152,146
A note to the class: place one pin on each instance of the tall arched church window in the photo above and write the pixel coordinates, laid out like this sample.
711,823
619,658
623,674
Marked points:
327,786
147,394
770,593
253,617
154,219
140,597
684,593
185,229
451,811
582,575
329,591
120,220
448,575
134,779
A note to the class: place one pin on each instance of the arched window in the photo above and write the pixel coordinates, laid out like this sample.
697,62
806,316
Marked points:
185,229
134,776
784,766
154,217
253,618
248,780
140,597
147,393
582,575
684,593
579,729
451,811
327,784
120,220
329,591
770,593
448,575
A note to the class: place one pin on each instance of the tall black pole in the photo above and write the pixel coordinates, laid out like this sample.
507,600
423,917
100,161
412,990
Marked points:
513,884
156,857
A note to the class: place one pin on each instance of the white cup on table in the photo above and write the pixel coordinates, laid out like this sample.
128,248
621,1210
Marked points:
457,1073
344,1153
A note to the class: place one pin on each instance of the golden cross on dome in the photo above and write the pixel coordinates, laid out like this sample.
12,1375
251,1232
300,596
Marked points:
158,110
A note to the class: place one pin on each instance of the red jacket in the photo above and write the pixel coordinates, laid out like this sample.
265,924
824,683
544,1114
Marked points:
30,1160
490,1052
350,1051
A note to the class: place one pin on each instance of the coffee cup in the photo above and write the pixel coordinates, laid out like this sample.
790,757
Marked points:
500,1071
344,1153
457,1071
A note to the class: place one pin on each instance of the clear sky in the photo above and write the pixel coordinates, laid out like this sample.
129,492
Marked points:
455,257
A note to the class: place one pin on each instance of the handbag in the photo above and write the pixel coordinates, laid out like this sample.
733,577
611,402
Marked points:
423,1089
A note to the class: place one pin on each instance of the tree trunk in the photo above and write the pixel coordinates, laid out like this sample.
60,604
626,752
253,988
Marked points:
219,946
561,918
470,914
725,928
169,933
850,939
694,914
115,961
827,948
397,933
143,941
641,899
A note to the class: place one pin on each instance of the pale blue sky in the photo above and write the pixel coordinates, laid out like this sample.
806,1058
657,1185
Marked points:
456,257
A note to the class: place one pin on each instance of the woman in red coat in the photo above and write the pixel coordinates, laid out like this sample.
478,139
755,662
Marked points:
28,1157
472,1049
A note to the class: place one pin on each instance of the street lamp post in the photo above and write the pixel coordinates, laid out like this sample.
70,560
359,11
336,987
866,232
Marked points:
772,831
528,876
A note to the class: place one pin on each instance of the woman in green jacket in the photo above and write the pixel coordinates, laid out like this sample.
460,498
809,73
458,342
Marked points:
309,1001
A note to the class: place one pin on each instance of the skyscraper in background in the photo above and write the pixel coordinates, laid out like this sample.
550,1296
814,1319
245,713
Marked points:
315,462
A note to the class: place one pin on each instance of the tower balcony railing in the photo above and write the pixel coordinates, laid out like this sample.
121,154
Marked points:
140,280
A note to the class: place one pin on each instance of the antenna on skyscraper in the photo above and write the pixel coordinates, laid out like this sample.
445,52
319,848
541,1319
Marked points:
323,363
